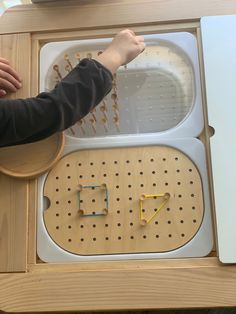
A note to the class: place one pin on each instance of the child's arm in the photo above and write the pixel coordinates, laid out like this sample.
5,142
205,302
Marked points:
29,120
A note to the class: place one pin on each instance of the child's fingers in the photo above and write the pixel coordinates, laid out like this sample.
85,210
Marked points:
4,61
10,78
4,67
7,85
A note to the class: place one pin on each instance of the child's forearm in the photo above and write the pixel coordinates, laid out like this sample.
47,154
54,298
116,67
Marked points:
29,120
109,61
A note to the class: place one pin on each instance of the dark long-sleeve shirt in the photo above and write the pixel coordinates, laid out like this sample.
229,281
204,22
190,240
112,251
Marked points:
29,120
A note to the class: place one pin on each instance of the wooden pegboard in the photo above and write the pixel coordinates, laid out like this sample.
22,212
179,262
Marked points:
128,173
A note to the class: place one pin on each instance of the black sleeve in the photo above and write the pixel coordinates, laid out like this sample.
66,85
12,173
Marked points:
33,119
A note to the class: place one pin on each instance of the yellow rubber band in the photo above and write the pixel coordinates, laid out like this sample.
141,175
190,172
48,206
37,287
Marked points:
144,221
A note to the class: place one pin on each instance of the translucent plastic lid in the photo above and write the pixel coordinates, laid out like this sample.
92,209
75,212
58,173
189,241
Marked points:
158,92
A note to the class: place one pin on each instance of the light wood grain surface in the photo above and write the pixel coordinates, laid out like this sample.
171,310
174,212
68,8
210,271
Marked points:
86,14
202,311
13,224
141,287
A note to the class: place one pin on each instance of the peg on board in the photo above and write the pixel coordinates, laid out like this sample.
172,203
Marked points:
93,124
115,119
89,55
77,57
66,58
105,123
56,69
80,124
92,112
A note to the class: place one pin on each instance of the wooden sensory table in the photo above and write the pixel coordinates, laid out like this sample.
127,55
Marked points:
26,283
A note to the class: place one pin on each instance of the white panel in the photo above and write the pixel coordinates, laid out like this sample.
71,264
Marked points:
219,49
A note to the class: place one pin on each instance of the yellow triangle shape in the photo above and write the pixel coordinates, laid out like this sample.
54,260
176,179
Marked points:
143,197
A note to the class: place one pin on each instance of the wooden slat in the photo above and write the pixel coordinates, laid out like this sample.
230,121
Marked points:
14,193
31,258
141,287
125,265
13,224
43,37
69,15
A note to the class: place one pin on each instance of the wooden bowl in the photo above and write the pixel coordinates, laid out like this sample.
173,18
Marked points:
31,160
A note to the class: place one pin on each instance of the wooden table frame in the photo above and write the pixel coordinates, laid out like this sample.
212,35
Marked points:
28,285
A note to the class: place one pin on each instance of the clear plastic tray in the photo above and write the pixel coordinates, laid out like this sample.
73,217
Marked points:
158,92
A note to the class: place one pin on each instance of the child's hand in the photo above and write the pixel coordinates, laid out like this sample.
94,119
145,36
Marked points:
124,48
9,79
